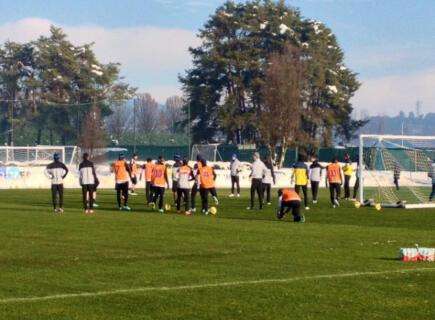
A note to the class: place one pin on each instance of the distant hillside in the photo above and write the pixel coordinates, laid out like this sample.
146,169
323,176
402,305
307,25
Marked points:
408,125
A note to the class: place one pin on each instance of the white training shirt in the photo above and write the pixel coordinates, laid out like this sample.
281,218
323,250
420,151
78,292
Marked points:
268,179
258,169
183,179
316,174
235,167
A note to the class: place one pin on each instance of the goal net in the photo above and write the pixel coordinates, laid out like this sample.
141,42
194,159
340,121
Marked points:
38,155
208,152
395,170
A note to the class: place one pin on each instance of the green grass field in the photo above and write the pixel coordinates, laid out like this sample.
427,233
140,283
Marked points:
340,264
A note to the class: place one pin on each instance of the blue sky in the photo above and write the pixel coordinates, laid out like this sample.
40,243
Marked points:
390,43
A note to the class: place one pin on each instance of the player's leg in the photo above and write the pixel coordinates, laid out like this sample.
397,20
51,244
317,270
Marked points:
283,209
233,184
118,195
298,189
124,189
185,193
162,197
296,210
259,189
204,199
396,183
268,193
54,197
347,187
315,190
305,192
356,188
85,198
213,193
252,193
332,193
174,191
60,192
193,197
91,192
178,199
238,185
147,192
432,194
154,195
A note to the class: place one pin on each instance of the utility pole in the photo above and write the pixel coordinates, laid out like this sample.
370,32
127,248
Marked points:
134,124
189,134
11,119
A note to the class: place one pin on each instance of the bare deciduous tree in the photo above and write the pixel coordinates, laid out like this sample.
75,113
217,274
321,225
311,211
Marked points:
93,134
174,113
148,115
118,122
279,119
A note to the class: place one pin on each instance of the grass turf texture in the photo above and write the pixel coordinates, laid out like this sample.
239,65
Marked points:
43,255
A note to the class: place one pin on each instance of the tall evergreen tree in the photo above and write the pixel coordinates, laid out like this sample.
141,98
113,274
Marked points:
224,86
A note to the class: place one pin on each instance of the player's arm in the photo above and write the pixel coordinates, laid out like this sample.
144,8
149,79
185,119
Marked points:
341,175
307,173
48,172
64,167
166,177
94,173
128,168
214,174
191,175
273,175
293,175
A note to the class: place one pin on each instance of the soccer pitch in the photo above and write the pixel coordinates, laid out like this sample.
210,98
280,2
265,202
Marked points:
341,264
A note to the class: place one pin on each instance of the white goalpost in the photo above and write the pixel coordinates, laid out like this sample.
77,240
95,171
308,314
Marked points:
36,155
394,170
208,152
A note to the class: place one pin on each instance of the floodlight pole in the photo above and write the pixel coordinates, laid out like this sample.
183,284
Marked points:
361,169
134,125
189,134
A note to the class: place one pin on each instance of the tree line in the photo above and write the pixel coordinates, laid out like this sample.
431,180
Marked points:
55,92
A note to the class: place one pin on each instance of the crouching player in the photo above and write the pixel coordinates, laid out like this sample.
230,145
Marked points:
289,200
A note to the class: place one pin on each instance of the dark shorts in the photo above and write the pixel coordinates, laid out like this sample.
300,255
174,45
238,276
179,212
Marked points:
121,186
134,180
174,186
89,187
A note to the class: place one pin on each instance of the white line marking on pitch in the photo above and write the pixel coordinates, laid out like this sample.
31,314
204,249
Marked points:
208,285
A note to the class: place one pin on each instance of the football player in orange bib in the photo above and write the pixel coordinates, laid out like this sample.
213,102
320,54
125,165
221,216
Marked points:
147,171
334,178
195,186
207,178
159,182
122,177
289,200
184,178
134,169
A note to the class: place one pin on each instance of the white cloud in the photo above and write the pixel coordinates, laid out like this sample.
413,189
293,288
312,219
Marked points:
147,54
388,95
